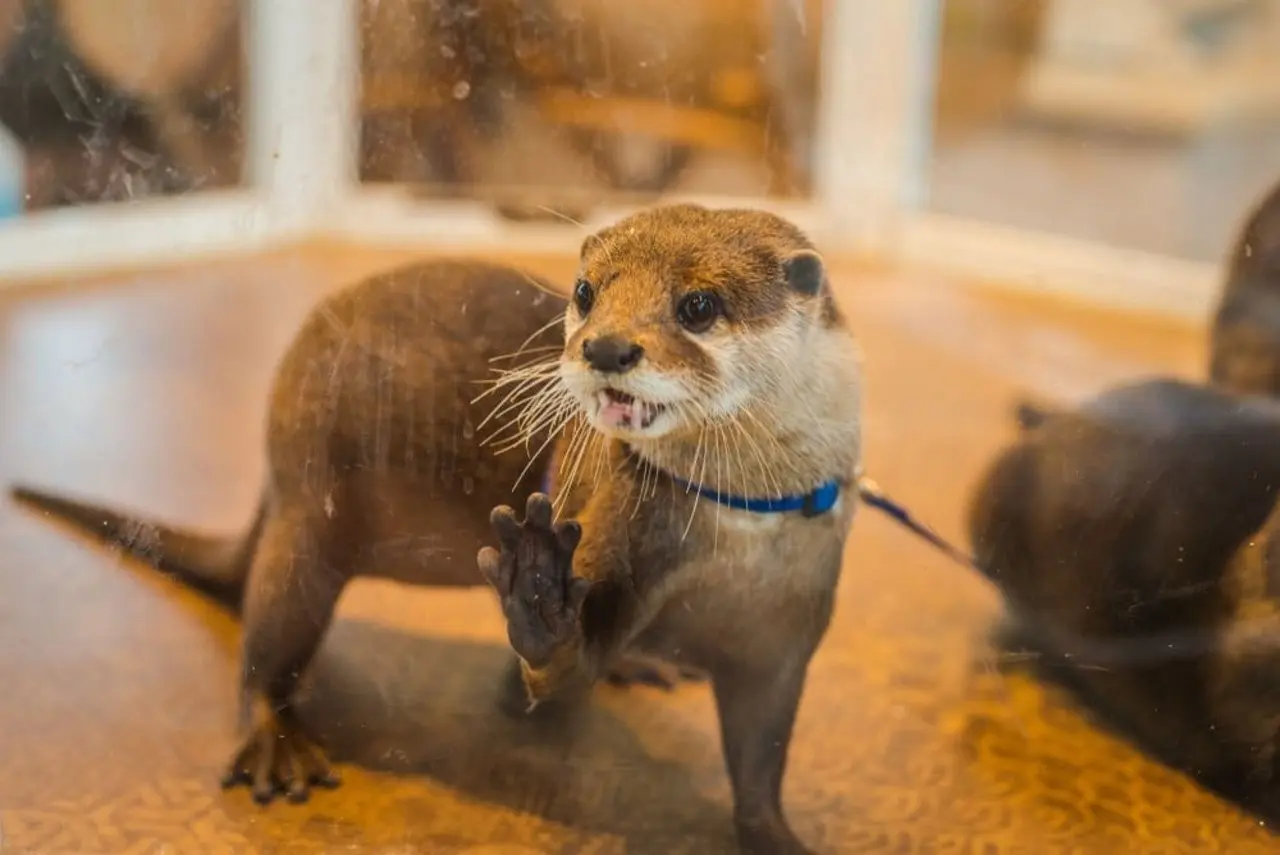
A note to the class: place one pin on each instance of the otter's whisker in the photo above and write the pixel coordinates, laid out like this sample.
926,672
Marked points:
534,365
526,385
526,431
530,350
602,459
702,441
740,437
779,450
557,401
573,456
558,319
715,540
767,472
540,370
531,407
506,376
527,402
539,409
645,469
551,437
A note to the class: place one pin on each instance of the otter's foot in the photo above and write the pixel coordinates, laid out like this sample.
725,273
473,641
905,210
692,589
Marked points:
533,575
769,836
637,669
280,758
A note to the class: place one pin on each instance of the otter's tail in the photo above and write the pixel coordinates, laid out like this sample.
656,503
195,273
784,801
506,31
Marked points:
215,566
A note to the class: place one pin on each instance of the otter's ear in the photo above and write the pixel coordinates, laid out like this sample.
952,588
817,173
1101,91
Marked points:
804,272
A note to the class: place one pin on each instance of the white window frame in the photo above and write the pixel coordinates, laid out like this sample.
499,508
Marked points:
873,149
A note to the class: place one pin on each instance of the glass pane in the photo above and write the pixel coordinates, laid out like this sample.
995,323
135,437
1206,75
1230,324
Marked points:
589,96
115,100
1147,124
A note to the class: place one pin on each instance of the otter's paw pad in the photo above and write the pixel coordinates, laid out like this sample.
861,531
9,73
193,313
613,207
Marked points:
532,571
279,758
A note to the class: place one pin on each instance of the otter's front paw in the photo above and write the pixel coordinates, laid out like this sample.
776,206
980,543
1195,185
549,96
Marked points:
532,571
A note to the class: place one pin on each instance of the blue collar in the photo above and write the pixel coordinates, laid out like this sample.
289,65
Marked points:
820,501
811,504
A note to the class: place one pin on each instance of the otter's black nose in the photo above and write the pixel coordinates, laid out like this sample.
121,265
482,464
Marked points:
611,355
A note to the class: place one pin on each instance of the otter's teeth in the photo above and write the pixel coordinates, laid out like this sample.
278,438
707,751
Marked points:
604,399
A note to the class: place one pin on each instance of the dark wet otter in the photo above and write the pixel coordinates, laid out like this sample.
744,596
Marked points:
1136,541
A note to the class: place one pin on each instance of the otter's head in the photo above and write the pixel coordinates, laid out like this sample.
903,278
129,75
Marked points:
683,315
1245,345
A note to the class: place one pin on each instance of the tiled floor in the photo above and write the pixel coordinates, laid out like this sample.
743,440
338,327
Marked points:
118,688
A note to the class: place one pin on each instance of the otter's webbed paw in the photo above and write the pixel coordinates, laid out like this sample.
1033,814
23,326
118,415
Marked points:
532,571
280,758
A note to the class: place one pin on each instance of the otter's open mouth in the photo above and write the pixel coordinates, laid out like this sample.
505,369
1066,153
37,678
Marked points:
620,410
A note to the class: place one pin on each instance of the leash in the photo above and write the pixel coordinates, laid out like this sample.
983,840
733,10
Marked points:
869,491
820,501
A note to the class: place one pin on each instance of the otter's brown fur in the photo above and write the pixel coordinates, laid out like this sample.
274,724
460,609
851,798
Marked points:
1245,331
375,468
762,400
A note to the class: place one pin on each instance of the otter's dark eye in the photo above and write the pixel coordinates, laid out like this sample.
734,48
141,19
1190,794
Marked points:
698,311
584,297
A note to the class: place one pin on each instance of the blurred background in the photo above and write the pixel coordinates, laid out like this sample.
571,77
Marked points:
1130,124
1142,124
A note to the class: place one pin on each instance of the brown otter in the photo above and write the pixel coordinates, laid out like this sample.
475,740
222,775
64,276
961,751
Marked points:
1136,542
376,468
709,390
1245,332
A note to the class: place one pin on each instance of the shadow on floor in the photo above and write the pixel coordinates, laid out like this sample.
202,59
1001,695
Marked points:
404,704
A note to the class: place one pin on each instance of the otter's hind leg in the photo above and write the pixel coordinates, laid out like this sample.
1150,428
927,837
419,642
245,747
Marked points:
297,575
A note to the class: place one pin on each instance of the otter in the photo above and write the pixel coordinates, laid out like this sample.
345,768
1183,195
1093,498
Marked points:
1245,329
380,464
708,407
1135,540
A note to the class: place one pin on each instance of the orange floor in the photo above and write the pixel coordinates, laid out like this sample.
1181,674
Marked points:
118,705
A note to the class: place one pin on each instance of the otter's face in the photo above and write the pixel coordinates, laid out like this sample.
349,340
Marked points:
683,316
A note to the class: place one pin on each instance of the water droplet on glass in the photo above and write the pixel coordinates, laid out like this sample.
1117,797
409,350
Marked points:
461,90
468,485
468,429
